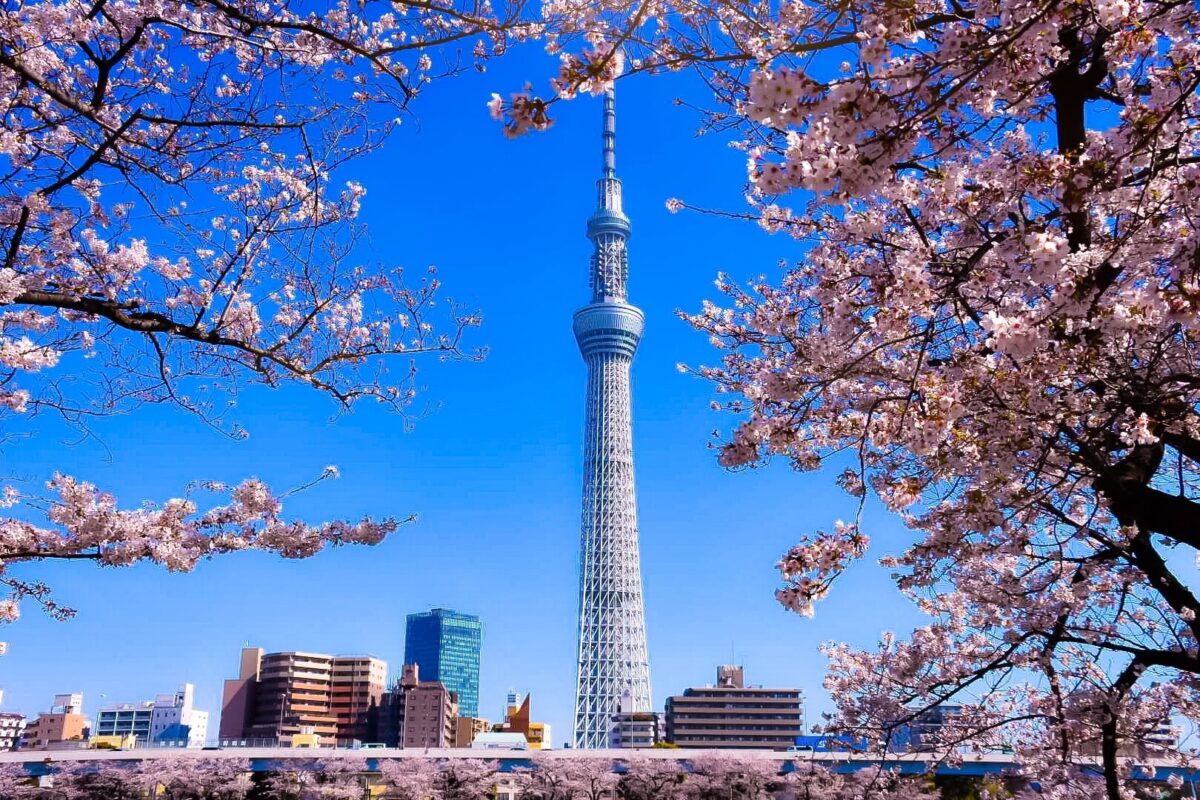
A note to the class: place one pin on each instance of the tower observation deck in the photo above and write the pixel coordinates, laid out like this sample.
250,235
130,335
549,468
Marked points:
612,630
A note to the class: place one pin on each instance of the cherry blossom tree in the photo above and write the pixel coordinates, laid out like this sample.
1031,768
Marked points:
177,221
645,778
16,783
185,778
93,780
406,778
320,779
990,328
465,779
817,783
551,778
721,777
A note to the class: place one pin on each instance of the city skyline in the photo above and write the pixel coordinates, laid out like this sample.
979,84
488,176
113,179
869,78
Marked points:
493,472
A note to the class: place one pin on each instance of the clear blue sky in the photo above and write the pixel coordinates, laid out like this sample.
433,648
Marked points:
494,471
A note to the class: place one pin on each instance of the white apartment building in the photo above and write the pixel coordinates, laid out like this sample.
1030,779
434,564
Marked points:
168,718
12,725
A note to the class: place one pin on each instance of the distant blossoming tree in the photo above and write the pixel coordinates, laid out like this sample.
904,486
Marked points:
327,779
188,778
646,778
550,778
721,777
707,776
991,327
406,778
175,222
463,779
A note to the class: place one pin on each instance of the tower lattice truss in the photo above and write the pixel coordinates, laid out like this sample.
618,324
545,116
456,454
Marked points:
614,669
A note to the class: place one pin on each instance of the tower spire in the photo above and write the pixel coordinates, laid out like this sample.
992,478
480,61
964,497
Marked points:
608,227
609,167
612,631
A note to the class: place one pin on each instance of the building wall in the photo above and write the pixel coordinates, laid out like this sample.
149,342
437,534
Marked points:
197,734
539,736
517,718
125,720
385,721
430,710
634,729
359,682
48,729
293,691
445,645
467,728
237,700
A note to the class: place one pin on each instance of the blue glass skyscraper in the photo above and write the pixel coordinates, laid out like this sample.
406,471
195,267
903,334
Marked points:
444,645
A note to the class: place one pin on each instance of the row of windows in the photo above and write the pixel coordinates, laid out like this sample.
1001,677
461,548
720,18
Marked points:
749,694
701,737
755,718
705,726
750,708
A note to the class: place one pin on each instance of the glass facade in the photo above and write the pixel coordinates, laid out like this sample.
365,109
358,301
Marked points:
444,645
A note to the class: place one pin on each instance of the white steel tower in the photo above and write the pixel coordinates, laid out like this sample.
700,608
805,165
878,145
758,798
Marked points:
612,627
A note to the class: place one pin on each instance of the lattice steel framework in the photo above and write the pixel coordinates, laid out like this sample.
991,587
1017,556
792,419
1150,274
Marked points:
612,627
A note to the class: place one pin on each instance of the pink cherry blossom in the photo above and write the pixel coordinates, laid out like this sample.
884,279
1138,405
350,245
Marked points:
990,328
173,230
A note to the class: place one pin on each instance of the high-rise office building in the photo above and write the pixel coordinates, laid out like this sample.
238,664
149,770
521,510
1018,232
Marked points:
276,695
612,659
445,645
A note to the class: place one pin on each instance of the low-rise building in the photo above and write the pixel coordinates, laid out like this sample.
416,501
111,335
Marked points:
63,724
539,736
731,715
167,719
467,728
12,726
635,729
517,720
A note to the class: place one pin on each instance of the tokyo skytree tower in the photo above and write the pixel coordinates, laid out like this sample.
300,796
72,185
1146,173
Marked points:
612,627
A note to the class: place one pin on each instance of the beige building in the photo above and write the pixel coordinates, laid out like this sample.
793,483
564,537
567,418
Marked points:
358,683
64,723
277,696
51,729
733,716
467,728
